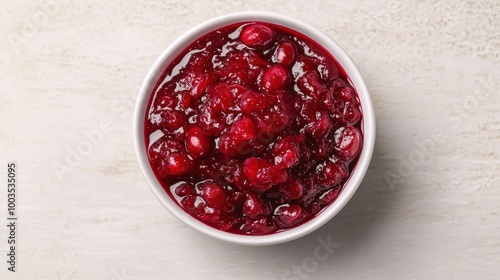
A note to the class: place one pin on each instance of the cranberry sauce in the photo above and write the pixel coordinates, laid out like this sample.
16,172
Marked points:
253,129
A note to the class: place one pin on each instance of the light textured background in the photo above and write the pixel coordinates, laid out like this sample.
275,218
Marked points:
424,211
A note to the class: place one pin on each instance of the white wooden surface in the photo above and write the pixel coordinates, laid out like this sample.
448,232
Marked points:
424,211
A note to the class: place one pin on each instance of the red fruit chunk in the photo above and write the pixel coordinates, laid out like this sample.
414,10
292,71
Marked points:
322,148
211,122
163,147
257,35
209,215
305,64
194,83
252,101
346,93
199,62
254,206
329,196
331,173
198,144
271,122
213,194
174,164
167,119
292,188
307,110
326,69
310,193
321,127
351,113
226,222
236,141
166,98
289,215
235,201
220,97
310,84
184,189
348,142
189,203
286,153
262,174
275,78
285,53
314,208
260,226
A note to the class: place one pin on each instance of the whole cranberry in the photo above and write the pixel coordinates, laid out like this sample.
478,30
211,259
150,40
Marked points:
184,189
262,174
254,206
175,164
275,78
213,194
289,215
198,144
348,142
285,53
257,35
286,153
331,173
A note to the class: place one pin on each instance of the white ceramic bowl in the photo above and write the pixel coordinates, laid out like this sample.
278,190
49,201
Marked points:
356,79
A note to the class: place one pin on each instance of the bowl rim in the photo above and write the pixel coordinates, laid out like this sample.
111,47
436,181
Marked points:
355,78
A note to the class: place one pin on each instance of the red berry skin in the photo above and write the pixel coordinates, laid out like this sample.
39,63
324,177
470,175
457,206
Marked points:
254,207
213,194
184,189
348,142
175,164
198,144
189,203
162,148
257,35
262,174
168,119
321,127
211,122
330,173
286,153
252,101
237,140
285,53
260,226
292,188
168,158
311,85
330,196
271,122
289,215
351,114
194,83
346,93
275,78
